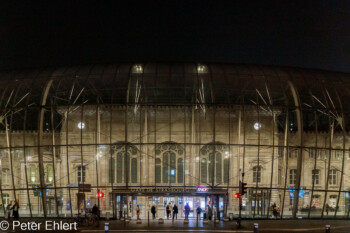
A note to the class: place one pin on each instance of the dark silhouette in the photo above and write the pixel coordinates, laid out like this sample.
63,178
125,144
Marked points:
175,211
153,211
199,211
15,209
187,210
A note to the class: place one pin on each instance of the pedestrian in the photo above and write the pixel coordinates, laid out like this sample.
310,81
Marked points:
327,208
210,213
275,212
95,211
15,209
167,208
8,210
138,212
175,211
187,210
199,211
153,211
170,209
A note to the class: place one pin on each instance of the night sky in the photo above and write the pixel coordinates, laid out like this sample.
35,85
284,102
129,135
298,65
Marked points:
310,34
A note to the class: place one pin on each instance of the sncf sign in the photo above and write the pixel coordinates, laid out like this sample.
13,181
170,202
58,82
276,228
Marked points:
202,189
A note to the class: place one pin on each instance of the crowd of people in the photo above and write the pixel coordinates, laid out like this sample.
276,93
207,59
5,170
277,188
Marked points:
172,211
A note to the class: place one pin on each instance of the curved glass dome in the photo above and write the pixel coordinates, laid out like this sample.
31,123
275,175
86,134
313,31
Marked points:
141,132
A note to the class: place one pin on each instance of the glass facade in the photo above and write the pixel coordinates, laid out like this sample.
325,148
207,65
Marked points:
145,134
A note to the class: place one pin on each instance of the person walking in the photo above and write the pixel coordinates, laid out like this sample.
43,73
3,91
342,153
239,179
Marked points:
170,209
153,211
175,211
210,213
167,208
8,210
138,212
327,208
15,209
187,210
199,211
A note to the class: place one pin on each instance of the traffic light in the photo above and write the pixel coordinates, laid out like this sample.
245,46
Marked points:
237,195
100,194
243,188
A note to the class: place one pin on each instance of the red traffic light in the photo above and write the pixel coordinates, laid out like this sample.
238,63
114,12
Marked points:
237,195
100,194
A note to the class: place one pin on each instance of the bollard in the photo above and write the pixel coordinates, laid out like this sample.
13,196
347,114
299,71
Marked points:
328,228
148,217
106,227
124,219
256,227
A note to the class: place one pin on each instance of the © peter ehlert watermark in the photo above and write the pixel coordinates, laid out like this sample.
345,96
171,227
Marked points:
49,225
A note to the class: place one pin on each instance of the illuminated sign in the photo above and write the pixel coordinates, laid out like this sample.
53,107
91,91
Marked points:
202,189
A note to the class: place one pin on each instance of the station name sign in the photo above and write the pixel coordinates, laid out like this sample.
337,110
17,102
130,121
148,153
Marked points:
161,190
202,189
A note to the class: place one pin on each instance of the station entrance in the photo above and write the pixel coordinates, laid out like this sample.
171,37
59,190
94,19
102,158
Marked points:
125,203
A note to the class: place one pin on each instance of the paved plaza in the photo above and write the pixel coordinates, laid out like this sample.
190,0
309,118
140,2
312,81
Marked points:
340,226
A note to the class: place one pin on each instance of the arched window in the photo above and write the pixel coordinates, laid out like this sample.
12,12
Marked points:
158,170
213,162
204,170
126,163
226,170
169,160
32,174
257,174
49,173
133,170
180,171
165,167
111,170
120,167
6,176
218,169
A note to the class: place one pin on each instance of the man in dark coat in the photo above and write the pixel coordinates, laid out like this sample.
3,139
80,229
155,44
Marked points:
153,211
175,211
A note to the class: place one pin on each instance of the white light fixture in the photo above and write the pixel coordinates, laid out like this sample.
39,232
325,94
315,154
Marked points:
257,126
201,68
81,125
137,69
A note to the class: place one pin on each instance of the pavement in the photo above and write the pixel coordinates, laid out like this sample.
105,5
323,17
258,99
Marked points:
300,225
246,226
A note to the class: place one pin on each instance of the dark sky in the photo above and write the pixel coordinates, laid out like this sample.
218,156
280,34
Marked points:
312,34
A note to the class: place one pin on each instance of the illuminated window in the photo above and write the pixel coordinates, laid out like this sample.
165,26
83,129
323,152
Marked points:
32,174
49,173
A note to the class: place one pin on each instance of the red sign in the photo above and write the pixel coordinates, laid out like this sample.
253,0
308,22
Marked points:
202,189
